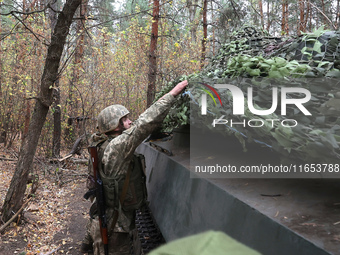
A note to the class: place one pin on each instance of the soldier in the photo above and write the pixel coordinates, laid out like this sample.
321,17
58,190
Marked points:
121,138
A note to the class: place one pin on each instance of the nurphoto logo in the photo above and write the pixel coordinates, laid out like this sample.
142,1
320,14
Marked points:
239,102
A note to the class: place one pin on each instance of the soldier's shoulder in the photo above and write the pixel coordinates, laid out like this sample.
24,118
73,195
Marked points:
97,138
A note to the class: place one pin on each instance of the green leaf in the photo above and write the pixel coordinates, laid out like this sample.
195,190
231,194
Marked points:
284,71
320,31
253,72
317,46
274,74
280,61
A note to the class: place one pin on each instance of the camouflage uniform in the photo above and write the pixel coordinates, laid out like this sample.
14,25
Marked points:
116,160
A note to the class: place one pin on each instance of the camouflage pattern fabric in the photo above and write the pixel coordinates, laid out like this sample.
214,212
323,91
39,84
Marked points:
116,160
119,242
108,119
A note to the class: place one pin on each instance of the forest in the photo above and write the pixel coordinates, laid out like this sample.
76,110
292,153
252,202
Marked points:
62,62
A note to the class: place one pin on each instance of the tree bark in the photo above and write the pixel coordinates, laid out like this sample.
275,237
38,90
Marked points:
15,195
338,14
325,22
213,29
261,13
205,32
2,139
57,111
301,27
309,15
192,7
268,16
27,120
153,57
70,131
78,55
56,122
284,23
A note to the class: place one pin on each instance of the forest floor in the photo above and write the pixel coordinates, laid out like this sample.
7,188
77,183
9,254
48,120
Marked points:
53,221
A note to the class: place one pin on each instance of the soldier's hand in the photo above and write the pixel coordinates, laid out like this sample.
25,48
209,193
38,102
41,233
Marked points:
178,88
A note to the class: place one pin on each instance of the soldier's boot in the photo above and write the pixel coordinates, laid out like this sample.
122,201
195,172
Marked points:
87,244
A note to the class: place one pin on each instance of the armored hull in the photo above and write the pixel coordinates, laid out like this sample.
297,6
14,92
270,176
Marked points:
273,216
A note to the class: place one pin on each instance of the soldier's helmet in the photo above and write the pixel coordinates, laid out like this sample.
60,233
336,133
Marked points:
108,119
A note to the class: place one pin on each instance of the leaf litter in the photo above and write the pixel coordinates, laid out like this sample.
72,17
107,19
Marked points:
44,225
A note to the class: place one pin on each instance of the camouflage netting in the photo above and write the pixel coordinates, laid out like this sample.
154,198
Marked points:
253,59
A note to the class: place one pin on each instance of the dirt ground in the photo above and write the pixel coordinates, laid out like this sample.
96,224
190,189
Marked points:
54,220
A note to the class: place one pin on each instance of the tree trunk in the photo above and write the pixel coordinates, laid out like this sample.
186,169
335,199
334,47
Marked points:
309,16
261,13
192,7
287,18
213,29
1,109
268,16
81,29
70,131
15,195
152,57
325,22
283,18
56,122
301,27
284,23
27,120
338,15
57,111
205,32
3,133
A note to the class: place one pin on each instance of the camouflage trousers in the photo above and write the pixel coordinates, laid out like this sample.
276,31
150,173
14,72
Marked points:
119,243
118,240
119,237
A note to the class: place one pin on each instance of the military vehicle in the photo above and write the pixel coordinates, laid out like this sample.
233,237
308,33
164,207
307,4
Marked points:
273,214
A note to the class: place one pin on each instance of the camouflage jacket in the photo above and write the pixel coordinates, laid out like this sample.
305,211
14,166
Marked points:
119,152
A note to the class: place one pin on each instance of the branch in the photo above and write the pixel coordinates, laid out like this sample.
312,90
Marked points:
26,27
233,5
8,159
128,15
323,14
254,9
2,38
14,216
48,6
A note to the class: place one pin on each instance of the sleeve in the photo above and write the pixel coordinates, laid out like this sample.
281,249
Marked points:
152,117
